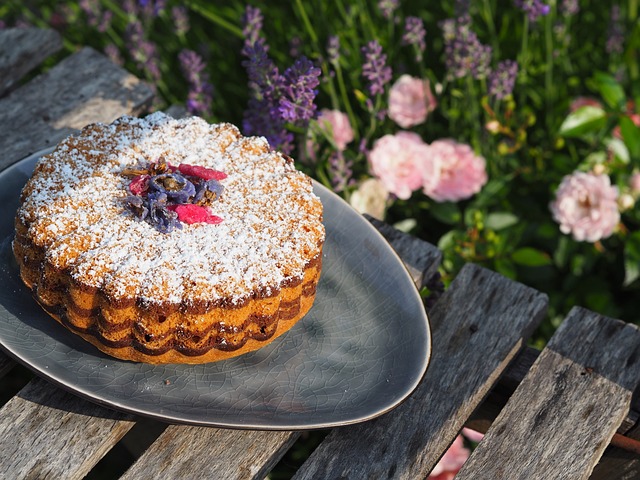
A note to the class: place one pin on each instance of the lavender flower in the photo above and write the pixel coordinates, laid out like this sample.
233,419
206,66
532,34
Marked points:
143,51
333,49
464,54
299,92
414,34
175,186
388,7
137,206
615,35
341,171
200,89
113,54
569,8
252,22
207,192
278,99
91,9
159,215
503,79
105,21
180,17
533,8
374,69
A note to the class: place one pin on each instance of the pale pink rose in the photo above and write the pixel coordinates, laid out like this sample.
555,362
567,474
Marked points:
579,102
410,101
462,172
634,183
337,124
401,162
586,206
451,462
370,198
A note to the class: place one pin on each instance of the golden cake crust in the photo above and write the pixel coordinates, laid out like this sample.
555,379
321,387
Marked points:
200,293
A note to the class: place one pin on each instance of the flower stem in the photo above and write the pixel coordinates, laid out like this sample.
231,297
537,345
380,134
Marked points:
345,100
548,74
307,22
523,59
217,19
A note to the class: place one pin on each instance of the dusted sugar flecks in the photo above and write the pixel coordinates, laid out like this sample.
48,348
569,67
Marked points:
163,215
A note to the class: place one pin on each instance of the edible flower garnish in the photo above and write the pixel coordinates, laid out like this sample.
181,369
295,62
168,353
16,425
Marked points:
167,196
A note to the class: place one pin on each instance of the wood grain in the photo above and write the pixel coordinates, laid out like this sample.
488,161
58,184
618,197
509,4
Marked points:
83,88
563,415
204,453
46,433
479,324
23,49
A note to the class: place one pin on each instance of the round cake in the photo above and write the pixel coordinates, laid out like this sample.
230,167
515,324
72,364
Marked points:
170,241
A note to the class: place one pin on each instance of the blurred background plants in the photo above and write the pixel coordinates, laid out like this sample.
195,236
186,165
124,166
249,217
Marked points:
359,93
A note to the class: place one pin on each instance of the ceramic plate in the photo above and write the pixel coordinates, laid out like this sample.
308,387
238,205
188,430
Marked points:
359,352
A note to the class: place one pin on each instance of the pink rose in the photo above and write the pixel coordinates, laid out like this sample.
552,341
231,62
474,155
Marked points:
461,172
401,162
451,462
634,183
586,206
410,100
337,125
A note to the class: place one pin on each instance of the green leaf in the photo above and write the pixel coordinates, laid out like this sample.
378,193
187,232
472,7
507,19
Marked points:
447,241
618,148
490,192
632,259
505,267
446,212
500,220
530,257
630,135
610,90
584,120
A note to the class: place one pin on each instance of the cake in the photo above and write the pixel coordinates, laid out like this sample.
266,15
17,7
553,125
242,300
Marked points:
120,250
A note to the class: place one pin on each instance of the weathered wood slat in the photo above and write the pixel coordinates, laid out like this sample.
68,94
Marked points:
421,258
83,88
205,453
479,324
23,49
47,433
6,364
517,370
564,413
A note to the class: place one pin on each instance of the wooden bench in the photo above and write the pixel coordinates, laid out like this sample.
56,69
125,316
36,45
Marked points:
570,411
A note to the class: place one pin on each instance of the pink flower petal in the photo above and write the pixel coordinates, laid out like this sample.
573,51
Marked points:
190,214
201,172
139,184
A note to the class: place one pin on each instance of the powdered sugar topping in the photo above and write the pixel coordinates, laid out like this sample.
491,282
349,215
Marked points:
73,206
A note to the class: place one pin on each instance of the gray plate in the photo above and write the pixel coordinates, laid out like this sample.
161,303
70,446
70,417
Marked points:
359,352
